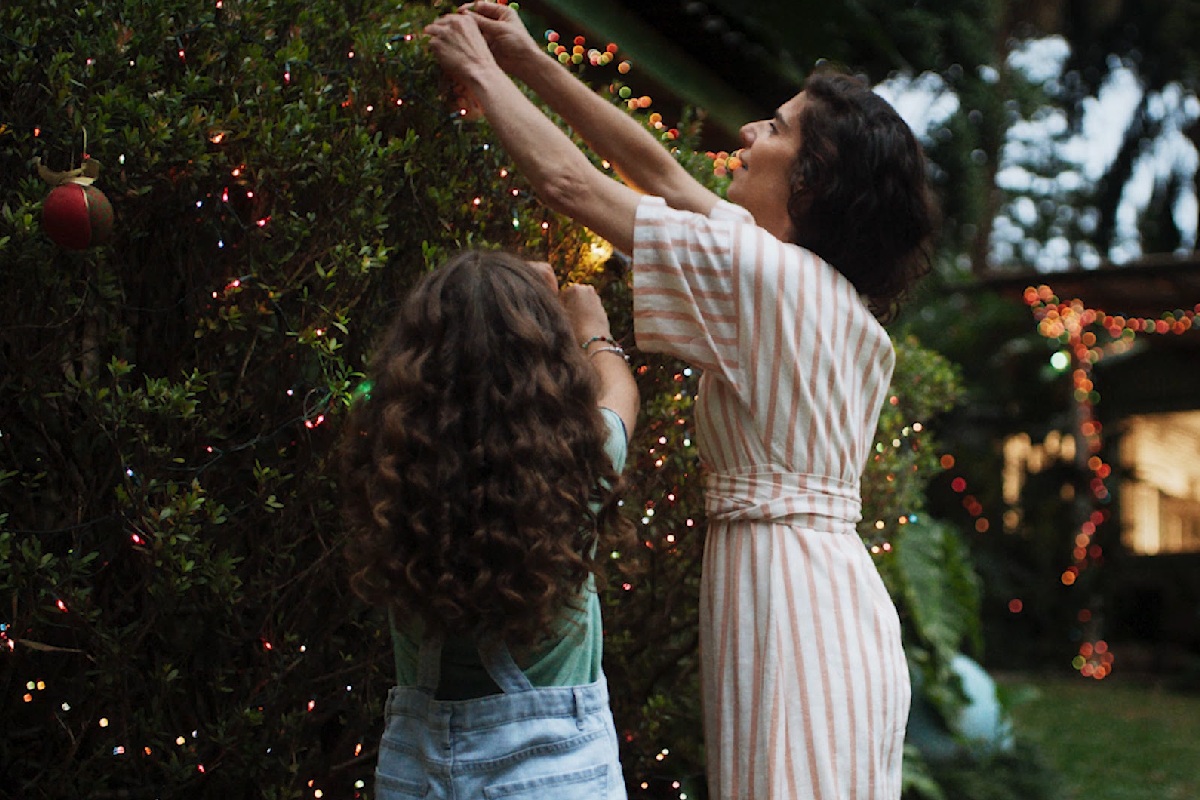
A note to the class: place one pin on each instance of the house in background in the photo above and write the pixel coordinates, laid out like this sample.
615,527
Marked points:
1160,497
1148,412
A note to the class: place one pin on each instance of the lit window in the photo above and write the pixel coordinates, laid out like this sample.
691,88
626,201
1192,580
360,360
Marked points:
1160,500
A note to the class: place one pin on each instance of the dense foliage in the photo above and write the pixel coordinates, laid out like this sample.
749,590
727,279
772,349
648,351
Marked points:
176,620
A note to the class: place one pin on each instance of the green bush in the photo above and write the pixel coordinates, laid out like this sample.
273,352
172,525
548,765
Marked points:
175,620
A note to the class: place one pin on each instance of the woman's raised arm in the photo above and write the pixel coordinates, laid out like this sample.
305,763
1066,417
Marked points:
560,174
611,133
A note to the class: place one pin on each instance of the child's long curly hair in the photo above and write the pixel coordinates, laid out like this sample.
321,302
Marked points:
471,469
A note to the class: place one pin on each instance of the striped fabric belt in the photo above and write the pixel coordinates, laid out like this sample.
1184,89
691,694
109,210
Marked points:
768,494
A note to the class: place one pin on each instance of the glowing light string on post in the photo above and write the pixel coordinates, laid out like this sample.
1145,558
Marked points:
1081,331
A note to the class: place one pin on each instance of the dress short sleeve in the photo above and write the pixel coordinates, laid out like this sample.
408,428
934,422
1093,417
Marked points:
685,287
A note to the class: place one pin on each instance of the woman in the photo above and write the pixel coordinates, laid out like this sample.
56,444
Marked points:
779,299
479,478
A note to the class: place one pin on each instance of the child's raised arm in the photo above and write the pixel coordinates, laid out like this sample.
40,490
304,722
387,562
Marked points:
618,390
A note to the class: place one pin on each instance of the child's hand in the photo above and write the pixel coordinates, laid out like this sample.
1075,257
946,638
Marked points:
585,311
546,273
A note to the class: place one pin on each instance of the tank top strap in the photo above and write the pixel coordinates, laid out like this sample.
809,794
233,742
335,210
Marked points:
500,665
429,662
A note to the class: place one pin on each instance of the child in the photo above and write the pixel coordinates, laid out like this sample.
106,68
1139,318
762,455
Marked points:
480,473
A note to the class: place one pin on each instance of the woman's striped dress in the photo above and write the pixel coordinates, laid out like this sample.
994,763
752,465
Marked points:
806,689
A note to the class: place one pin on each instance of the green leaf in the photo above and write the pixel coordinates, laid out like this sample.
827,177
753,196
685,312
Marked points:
940,588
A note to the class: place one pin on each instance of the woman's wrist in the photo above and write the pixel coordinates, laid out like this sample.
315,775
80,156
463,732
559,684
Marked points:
538,70
528,64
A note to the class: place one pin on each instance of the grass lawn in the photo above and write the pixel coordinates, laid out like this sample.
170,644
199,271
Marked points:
1113,739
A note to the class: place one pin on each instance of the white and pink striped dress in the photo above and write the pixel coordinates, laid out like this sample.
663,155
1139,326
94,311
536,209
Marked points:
806,690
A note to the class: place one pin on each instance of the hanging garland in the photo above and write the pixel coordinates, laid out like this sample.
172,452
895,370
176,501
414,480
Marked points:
1087,335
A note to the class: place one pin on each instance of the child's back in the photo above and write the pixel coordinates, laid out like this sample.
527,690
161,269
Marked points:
480,473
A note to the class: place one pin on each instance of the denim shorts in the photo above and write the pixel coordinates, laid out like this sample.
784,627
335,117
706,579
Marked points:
529,743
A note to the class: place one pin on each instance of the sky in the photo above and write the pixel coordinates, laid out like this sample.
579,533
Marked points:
925,101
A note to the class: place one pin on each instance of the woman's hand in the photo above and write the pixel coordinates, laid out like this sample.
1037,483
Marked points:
459,46
585,311
509,41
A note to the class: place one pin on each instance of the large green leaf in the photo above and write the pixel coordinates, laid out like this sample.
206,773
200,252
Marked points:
940,589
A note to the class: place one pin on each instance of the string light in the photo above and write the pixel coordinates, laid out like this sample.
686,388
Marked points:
1079,331
579,54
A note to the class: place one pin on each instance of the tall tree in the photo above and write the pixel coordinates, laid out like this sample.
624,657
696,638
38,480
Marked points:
1148,45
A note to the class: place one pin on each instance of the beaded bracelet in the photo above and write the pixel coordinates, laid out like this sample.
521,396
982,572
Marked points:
606,339
614,349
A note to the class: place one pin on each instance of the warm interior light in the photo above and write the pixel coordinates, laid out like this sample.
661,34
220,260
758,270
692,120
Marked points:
1160,499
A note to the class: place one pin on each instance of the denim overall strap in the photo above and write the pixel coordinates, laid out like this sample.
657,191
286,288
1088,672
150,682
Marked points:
499,663
429,662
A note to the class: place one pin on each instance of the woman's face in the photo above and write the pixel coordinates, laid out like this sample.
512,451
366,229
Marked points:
769,150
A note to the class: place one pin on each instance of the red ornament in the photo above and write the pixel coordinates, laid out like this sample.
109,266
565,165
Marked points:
76,216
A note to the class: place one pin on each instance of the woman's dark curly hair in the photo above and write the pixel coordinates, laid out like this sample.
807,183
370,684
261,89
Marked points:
472,468
860,195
